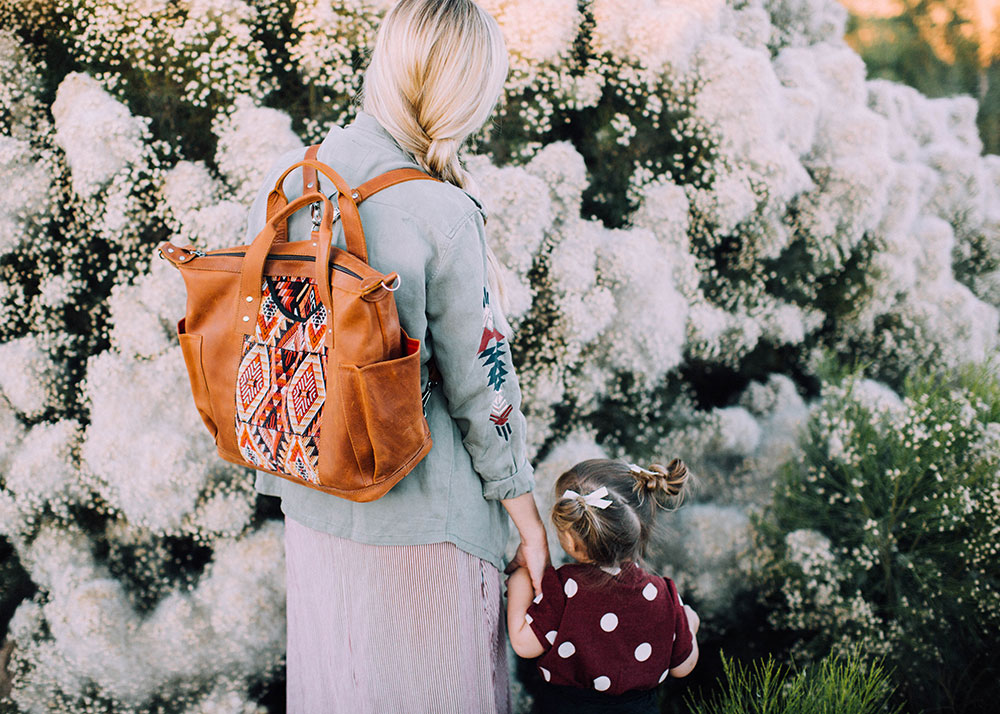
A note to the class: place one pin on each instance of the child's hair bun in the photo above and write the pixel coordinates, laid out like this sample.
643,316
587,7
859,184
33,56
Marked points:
668,480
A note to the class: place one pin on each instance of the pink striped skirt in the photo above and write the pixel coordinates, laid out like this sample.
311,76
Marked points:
385,629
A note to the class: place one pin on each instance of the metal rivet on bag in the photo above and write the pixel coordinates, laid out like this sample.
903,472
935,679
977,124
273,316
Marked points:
355,194
309,185
246,319
170,250
249,298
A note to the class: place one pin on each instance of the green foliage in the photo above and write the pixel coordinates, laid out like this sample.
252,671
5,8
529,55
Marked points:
835,685
897,48
883,533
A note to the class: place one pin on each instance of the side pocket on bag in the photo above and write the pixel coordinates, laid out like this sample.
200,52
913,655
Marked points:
191,347
388,426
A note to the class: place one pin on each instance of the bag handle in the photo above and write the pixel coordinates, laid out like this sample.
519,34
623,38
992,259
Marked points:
252,271
353,236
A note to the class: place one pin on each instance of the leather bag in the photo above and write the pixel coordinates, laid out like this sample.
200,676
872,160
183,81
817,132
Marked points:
297,361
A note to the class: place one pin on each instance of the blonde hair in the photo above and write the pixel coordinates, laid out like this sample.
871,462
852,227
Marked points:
435,76
618,533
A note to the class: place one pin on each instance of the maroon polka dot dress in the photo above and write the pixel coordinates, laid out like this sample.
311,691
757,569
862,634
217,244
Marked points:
610,634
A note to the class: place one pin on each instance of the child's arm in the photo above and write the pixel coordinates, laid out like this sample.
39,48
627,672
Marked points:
519,594
685,667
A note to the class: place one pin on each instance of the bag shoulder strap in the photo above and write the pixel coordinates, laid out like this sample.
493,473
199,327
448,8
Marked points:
310,179
276,200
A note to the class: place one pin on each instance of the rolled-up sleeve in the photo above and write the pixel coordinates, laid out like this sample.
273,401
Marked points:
473,355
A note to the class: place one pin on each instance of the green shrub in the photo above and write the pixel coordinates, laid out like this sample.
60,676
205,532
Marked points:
883,534
835,685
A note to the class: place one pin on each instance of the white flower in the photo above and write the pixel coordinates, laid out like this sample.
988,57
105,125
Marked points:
251,140
144,314
806,22
44,470
736,431
810,549
165,441
98,638
27,375
24,194
537,32
653,33
705,549
98,134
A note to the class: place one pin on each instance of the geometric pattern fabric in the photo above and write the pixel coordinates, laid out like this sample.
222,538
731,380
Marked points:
281,381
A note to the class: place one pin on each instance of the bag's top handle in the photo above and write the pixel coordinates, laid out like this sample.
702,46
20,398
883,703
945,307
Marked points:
253,264
354,235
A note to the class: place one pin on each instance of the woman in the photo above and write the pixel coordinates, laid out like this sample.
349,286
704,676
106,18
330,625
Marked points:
395,605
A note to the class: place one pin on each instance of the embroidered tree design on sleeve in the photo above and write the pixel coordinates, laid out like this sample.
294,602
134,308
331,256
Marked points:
492,351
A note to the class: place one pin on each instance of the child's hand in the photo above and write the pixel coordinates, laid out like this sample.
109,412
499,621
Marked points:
694,622
519,594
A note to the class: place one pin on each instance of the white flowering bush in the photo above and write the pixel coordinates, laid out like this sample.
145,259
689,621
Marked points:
692,201
883,532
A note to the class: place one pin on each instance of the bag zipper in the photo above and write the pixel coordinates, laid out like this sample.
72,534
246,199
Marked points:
310,258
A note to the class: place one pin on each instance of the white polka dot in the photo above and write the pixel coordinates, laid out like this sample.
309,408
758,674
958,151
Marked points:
570,588
649,592
609,622
566,649
528,618
602,684
550,636
643,651
538,598
664,675
548,675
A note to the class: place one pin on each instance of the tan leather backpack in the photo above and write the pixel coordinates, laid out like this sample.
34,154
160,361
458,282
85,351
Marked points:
333,403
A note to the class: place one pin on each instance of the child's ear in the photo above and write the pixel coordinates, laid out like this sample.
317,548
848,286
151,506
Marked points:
572,544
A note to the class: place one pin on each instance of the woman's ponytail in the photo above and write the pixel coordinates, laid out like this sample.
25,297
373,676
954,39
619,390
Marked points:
435,76
442,161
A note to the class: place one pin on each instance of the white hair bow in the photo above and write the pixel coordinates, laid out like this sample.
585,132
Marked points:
594,498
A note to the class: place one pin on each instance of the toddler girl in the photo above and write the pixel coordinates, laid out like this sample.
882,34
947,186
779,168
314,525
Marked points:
605,631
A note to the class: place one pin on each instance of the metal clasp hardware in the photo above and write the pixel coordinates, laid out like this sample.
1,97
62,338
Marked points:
316,214
199,253
427,394
396,283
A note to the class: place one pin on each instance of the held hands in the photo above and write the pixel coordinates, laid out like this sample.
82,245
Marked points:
533,552
533,555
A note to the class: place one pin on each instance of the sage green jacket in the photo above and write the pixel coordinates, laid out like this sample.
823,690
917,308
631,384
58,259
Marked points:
433,235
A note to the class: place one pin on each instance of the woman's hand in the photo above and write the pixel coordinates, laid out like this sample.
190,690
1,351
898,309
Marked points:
535,557
533,552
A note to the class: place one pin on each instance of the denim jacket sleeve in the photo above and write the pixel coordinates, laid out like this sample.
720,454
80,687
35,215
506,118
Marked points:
473,356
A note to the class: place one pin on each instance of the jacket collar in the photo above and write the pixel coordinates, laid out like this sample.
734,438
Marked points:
364,123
